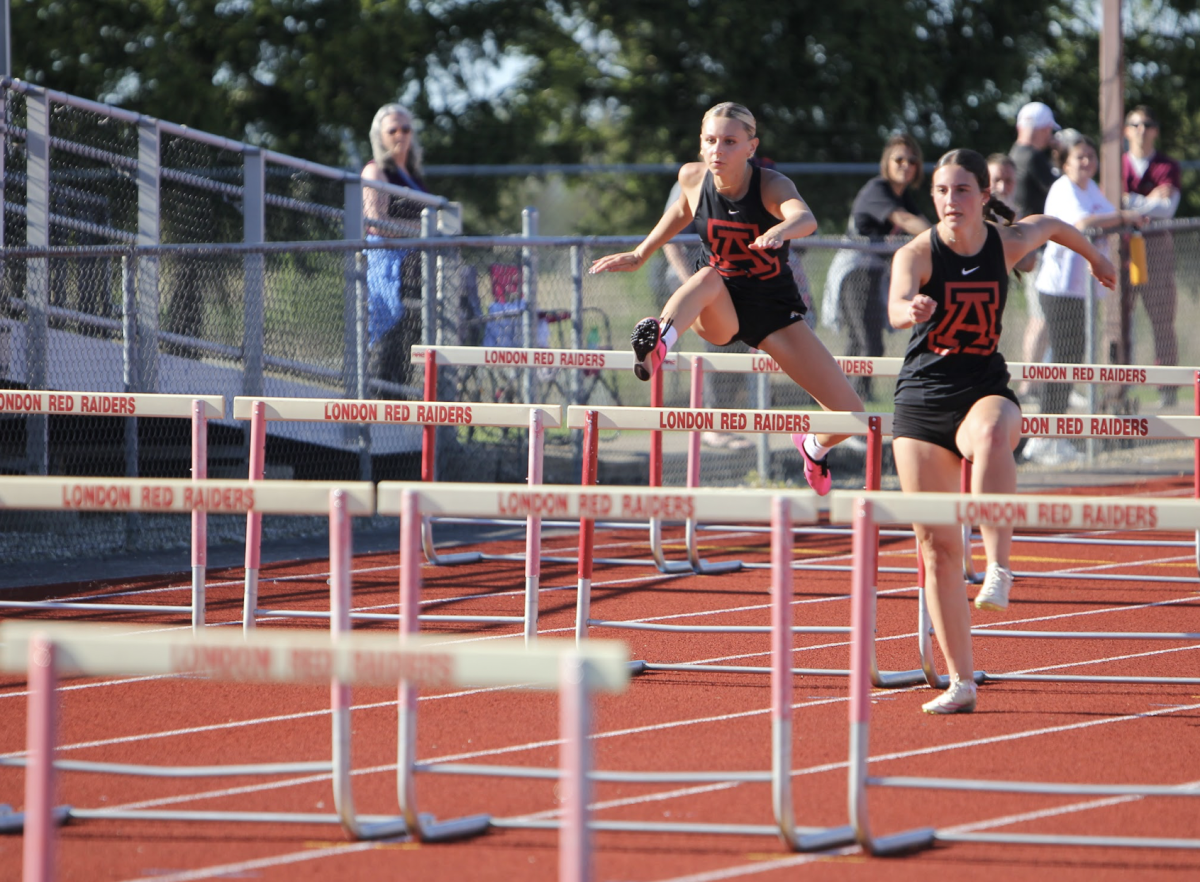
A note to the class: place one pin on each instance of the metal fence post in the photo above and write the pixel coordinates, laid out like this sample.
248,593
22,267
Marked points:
254,220
37,283
529,318
149,181
354,314
428,304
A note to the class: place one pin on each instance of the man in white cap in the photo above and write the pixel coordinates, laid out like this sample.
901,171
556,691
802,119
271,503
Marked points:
1031,153
1034,175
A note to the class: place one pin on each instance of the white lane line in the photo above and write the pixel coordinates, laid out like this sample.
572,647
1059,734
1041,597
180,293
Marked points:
242,869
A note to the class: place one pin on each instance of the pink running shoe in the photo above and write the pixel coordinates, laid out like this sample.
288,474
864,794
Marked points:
816,472
648,347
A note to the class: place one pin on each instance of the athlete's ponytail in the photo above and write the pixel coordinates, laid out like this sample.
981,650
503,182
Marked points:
996,209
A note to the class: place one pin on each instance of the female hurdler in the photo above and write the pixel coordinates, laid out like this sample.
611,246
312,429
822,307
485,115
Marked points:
743,290
950,285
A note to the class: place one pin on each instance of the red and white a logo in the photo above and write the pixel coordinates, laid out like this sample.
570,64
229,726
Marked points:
732,255
969,323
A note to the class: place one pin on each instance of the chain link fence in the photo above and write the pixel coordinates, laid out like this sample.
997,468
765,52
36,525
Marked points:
314,341
143,256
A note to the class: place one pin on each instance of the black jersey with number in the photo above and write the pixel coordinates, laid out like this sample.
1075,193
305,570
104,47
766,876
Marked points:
953,358
728,226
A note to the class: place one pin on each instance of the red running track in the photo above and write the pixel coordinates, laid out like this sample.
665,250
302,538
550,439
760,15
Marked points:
666,721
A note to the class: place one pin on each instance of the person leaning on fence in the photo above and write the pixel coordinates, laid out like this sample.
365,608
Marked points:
745,291
1062,278
1150,183
950,285
393,275
857,282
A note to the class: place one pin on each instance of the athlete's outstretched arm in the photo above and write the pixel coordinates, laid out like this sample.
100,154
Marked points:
911,268
782,200
1031,233
675,219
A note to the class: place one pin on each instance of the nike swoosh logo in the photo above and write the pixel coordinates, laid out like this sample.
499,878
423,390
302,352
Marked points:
733,211
968,272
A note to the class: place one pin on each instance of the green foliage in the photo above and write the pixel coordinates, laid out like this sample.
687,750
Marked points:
605,81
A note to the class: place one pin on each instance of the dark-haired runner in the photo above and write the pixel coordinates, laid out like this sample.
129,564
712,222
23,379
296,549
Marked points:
950,285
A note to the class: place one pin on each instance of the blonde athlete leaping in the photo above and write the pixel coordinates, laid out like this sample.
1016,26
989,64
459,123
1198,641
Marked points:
743,290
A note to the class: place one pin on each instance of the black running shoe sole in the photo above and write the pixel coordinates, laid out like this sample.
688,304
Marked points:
644,338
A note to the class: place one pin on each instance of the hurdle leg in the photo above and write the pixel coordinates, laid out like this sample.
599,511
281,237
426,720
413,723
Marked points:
38,848
964,486
199,518
782,688
574,723
258,446
340,557
1196,462
862,637
656,468
587,531
423,827
533,529
429,473
698,564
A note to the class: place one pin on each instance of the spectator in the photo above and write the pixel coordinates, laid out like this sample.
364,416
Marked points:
883,207
1002,174
393,275
1035,173
1150,184
1063,281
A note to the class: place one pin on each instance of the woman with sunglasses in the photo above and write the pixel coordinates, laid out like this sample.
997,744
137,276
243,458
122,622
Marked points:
393,275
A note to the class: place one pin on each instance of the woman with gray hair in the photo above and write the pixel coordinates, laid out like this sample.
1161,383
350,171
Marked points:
393,274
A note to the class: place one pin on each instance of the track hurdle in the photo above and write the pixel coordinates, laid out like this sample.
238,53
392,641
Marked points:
413,501
1168,428
260,411
199,408
694,420
864,511
49,650
1029,512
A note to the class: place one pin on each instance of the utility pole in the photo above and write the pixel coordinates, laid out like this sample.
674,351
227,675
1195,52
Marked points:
5,39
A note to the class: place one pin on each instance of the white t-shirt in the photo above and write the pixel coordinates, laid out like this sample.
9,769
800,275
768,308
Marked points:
1063,272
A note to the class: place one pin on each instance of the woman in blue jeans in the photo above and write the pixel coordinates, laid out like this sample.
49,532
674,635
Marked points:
393,275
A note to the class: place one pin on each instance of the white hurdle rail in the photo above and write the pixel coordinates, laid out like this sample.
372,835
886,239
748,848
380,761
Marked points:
536,418
1180,428
198,408
50,650
864,511
414,501
1060,513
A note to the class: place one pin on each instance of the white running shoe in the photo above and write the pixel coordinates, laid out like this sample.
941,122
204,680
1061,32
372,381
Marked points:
997,582
958,699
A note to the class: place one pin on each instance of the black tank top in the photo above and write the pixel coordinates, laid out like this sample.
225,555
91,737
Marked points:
727,227
952,359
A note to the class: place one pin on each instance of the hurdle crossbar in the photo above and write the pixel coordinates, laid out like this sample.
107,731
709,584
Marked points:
864,511
696,419
633,503
615,503
259,411
199,408
50,650
164,495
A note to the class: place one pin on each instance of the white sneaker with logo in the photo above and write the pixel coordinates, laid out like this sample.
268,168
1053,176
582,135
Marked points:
958,699
997,582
